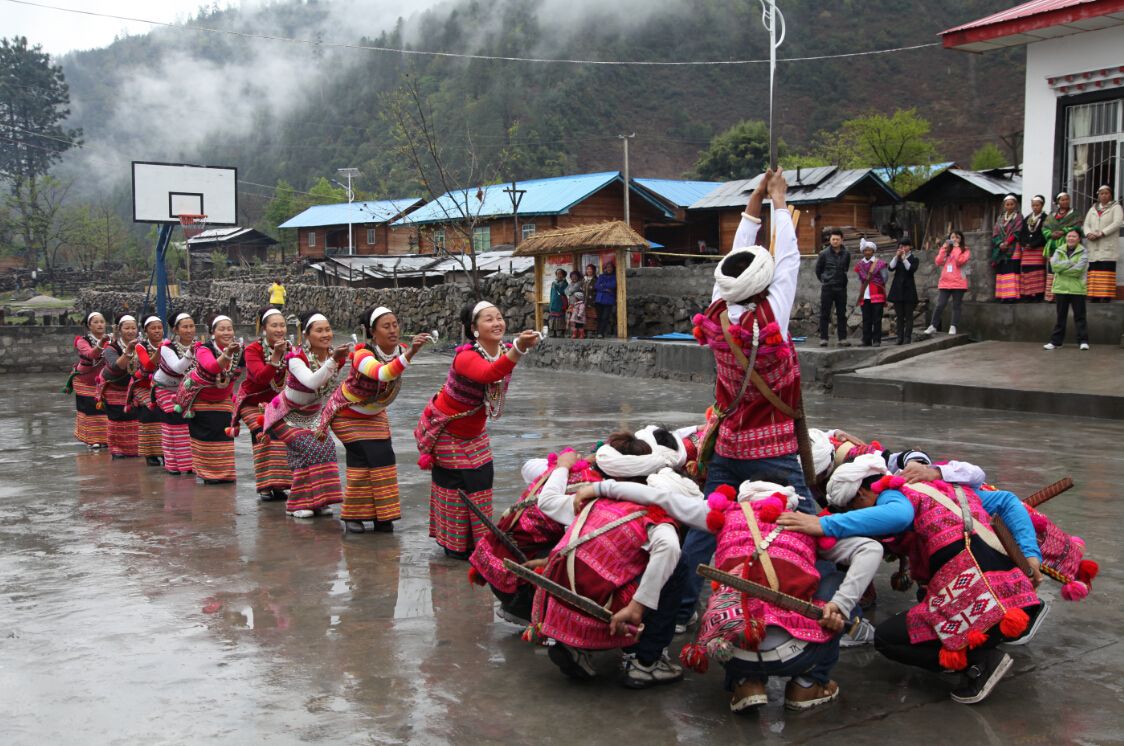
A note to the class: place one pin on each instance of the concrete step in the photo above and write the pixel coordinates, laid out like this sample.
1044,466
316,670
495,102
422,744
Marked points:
1009,376
823,364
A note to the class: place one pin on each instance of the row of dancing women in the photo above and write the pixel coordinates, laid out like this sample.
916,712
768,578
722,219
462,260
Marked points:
179,402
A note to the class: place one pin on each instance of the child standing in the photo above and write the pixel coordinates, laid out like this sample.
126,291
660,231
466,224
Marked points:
577,315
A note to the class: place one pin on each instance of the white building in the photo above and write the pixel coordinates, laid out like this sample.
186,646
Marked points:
1073,130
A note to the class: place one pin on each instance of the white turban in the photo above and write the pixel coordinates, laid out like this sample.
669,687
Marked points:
847,478
864,245
678,457
672,481
750,491
755,279
616,464
822,451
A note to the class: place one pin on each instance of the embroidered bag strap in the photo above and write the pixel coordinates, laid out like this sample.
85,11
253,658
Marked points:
570,550
532,496
758,546
772,398
965,513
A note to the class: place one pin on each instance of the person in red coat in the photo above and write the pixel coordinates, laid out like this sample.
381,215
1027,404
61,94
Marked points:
265,377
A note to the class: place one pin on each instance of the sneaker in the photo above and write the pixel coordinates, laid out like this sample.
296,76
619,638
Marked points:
639,676
823,343
577,664
509,616
153,461
1083,346
799,697
861,633
1030,633
747,695
981,677
1050,346
353,527
301,513
931,330
951,330
681,627
384,527
844,343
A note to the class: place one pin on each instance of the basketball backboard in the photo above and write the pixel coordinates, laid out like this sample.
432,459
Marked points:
163,191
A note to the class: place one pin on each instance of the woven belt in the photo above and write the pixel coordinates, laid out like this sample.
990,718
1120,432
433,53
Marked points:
783,652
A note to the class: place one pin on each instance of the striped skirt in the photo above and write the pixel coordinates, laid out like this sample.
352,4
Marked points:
460,465
1032,280
271,459
90,424
175,439
316,473
148,423
372,476
212,450
122,427
1102,280
1007,280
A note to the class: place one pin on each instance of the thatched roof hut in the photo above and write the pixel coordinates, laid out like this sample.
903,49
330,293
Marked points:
614,235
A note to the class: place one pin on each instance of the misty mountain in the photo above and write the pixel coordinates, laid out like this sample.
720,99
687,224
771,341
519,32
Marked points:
295,111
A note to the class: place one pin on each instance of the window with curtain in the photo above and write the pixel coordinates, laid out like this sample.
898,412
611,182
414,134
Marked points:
482,238
1094,135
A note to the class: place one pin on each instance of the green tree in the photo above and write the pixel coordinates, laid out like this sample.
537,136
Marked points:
988,156
281,207
740,152
895,143
34,102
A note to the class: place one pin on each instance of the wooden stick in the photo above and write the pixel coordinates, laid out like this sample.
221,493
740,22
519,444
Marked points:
1049,492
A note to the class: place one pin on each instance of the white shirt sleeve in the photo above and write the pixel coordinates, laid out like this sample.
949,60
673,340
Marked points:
782,290
663,555
553,500
179,364
690,511
746,234
962,472
863,556
309,379
533,468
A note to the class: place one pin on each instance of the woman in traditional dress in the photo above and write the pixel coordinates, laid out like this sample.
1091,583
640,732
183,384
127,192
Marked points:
89,421
1061,221
588,291
177,356
356,413
1102,240
206,400
1032,280
265,377
295,412
1006,251
113,388
451,434
141,393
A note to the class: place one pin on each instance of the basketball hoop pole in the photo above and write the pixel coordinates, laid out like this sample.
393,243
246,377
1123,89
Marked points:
162,271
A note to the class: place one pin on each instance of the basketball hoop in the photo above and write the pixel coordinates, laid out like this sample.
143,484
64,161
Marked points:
192,225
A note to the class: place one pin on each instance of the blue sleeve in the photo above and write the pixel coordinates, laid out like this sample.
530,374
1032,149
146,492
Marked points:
891,515
1010,508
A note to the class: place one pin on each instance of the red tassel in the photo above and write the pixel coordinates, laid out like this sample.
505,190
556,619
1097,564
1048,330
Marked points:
715,520
475,578
953,660
976,638
1087,570
697,333
825,543
714,586
694,657
1075,590
229,432
698,319
728,491
1014,623
769,511
541,569
425,461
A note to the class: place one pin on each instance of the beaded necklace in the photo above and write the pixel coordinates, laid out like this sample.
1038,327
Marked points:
313,366
224,377
494,393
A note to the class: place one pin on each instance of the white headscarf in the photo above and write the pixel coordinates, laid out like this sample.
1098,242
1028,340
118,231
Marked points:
678,457
755,279
616,464
750,491
864,245
822,451
847,478
380,311
672,481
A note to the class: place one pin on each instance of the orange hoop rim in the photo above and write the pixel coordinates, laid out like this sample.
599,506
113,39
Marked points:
191,218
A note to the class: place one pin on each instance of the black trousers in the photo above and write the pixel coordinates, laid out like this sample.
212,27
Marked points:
1064,303
606,314
659,623
943,296
872,323
833,296
904,313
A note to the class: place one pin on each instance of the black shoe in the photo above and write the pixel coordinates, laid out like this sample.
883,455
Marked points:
117,456
577,664
266,496
218,481
153,461
456,555
353,527
280,495
384,527
173,473
982,676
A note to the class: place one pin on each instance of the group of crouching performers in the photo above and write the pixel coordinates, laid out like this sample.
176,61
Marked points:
609,548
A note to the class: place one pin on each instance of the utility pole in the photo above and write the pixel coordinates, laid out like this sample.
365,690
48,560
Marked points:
350,173
516,196
625,139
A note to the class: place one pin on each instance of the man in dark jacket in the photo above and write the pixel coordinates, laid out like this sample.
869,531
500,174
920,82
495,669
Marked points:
903,290
831,270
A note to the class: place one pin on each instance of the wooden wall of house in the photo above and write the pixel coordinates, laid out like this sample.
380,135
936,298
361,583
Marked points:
387,241
853,210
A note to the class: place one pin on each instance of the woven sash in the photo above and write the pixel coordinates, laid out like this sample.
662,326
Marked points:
965,513
759,550
569,551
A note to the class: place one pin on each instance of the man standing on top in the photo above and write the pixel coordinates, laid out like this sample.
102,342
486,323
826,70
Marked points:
831,271
746,327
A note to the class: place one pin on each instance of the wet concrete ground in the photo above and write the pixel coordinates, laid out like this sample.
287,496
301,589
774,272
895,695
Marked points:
136,607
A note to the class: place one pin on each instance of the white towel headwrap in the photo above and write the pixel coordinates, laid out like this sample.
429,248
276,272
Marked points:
149,320
847,478
755,279
380,311
678,457
616,464
750,491
215,321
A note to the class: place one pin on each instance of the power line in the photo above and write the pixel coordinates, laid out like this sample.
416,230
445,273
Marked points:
456,55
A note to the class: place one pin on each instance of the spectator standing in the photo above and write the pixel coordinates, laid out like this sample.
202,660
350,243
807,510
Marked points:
873,276
574,286
605,298
903,289
1006,251
831,270
1061,221
589,289
1032,280
577,315
558,304
1102,239
952,285
277,294
1069,264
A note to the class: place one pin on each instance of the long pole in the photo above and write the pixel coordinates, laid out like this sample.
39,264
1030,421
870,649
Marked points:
627,182
350,237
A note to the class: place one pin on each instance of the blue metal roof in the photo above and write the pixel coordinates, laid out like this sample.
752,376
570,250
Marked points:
678,192
553,196
351,212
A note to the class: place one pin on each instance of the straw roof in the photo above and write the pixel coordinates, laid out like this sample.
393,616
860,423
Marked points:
614,234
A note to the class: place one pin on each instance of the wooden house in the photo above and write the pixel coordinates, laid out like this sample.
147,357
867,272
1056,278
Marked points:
240,245
323,230
956,199
826,196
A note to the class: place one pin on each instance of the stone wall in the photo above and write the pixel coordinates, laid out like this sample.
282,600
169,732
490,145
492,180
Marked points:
37,349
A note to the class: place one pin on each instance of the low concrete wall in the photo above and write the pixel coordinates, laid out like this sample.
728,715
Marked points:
38,349
634,358
1033,322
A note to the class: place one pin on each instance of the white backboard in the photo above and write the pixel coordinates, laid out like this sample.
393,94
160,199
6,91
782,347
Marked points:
163,191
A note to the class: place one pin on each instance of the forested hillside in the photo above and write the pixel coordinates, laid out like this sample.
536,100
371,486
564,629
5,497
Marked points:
297,112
